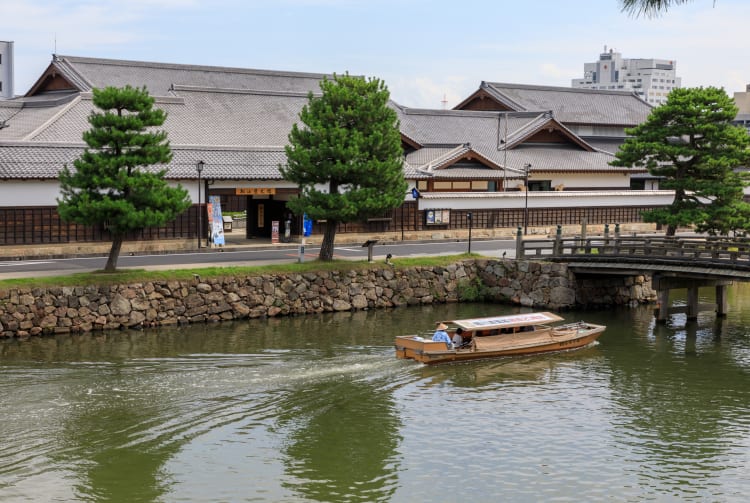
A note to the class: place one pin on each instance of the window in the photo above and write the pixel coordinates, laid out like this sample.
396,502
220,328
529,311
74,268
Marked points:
540,185
637,184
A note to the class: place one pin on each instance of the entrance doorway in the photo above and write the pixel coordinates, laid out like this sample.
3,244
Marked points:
260,214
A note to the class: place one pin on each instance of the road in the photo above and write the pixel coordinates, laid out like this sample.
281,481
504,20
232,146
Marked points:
238,256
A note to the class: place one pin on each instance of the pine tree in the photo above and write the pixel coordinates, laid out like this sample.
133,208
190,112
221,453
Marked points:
691,144
111,184
347,156
649,7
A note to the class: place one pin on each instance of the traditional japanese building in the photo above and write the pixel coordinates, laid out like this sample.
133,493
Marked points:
234,124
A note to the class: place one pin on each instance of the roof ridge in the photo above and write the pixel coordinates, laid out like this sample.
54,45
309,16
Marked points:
233,90
176,66
469,113
506,85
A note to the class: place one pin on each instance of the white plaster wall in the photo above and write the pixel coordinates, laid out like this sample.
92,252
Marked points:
585,180
45,193
571,199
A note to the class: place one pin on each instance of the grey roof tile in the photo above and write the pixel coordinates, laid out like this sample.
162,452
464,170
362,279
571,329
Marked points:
237,121
44,161
159,77
574,106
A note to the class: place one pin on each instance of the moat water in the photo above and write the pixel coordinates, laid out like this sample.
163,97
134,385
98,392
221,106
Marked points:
317,408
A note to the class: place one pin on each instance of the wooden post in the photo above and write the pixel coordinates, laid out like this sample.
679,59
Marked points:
558,242
519,244
692,303
662,311
583,229
722,304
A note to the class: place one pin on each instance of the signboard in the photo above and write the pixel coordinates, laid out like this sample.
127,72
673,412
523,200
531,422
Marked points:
216,222
261,216
437,217
274,231
255,191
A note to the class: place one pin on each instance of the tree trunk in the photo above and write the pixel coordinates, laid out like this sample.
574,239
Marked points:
326,248
114,253
671,230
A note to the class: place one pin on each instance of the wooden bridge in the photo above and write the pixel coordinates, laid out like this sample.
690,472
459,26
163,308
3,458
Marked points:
688,262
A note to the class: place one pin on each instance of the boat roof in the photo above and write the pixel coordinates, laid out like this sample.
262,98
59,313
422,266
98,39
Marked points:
513,320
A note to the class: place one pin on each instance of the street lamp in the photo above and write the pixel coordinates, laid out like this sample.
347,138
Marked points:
526,169
199,168
468,217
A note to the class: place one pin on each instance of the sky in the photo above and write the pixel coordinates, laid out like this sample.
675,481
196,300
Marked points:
430,53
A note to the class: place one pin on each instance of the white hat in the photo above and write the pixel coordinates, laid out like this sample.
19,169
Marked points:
442,326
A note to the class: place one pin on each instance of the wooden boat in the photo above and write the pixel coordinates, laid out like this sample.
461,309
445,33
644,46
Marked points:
517,334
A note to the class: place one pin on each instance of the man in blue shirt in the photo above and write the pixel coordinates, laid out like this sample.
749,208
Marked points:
442,336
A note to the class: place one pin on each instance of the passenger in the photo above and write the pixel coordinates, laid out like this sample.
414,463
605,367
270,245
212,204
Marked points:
442,336
458,338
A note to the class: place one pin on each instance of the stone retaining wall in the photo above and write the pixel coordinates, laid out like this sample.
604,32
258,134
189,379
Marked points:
55,310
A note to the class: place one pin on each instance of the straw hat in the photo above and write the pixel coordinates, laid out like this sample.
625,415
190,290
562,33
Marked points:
442,326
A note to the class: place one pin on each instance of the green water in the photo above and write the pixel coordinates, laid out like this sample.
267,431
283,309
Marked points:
318,409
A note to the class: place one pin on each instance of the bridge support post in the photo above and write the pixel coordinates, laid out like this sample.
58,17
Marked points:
722,304
662,311
557,250
692,303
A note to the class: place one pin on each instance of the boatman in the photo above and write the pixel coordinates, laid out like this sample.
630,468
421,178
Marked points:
442,336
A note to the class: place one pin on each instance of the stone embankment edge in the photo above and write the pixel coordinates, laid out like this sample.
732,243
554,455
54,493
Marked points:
62,310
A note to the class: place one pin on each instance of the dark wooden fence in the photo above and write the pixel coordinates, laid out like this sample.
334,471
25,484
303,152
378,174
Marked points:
42,225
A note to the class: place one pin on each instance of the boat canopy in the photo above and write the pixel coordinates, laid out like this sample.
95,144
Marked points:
513,320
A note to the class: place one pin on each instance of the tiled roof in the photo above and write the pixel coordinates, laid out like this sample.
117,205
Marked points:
237,121
22,120
159,78
574,106
44,161
440,132
202,118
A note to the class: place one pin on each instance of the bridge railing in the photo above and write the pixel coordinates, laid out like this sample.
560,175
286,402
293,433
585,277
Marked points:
678,249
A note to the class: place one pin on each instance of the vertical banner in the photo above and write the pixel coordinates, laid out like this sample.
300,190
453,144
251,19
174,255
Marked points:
274,231
216,222
261,216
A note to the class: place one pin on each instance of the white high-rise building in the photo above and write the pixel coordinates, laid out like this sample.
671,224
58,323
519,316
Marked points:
6,70
651,79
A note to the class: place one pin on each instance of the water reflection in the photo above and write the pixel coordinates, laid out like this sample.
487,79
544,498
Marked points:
318,409
104,438
680,403
342,436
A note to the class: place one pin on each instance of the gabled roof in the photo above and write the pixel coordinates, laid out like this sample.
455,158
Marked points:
84,74
494,140
568,105
461,161
238,121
